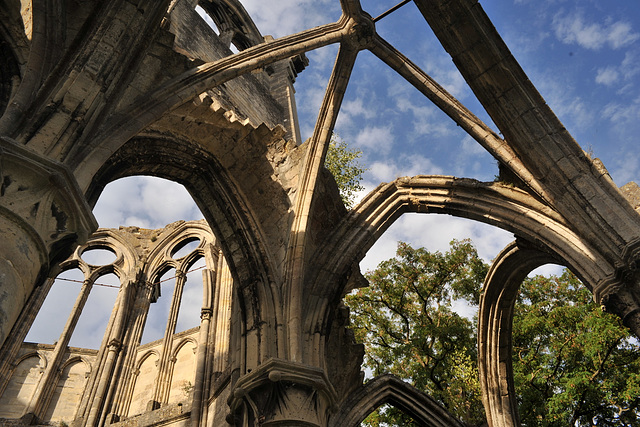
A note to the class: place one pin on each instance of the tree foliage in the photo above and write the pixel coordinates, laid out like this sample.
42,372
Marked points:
407,322
343,164
574,365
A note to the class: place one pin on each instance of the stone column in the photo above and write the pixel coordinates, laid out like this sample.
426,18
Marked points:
43,215
114,349
198,388
163,386
146,293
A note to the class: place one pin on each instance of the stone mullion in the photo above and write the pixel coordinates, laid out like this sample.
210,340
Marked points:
123,393
87,397
163,385
210,339
47,385
16,337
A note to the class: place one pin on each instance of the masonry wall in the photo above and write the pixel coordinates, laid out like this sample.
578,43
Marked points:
27,375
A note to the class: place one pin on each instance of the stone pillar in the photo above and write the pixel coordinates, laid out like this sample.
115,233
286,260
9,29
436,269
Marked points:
43,215
146,293
105,379
113,350
163,386
282,393
198,388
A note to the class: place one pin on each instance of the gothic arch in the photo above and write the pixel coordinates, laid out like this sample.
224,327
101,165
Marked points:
142,387
187,377
43,359
77,359
122,266
147,354
495,316
63,404
492,203
496,204
14,400
182,343
224,208
160,257
392,390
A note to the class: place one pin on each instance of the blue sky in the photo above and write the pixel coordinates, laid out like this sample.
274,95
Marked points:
583,56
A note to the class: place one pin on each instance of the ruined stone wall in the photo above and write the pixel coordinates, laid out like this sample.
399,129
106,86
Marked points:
56,383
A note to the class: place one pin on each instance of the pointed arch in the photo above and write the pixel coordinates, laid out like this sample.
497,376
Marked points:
183,370
145,379
226,210
496,204
390,389
495,317
71,381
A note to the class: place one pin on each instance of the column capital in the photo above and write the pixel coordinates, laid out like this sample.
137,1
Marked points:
281,392
115,345
206,313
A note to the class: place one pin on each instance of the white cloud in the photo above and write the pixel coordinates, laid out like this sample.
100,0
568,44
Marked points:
607,76
574,29
376,139
284,17
473,161
405,165
144,201
627,168
356,108
435,232
621,113
620,75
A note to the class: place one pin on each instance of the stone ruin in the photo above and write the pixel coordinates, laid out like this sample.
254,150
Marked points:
93,91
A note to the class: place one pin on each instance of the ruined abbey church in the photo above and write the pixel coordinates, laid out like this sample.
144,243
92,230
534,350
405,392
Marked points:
92,91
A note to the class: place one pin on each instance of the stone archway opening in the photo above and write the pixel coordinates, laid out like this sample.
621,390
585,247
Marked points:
144,201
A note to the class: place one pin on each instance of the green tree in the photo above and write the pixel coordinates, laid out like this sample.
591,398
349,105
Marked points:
574,365
342,162
406,320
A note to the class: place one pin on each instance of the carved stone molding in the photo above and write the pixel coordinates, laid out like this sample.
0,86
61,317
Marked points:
281,392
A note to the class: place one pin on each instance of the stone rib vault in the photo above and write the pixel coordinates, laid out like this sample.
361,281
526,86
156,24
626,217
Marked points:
97,90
